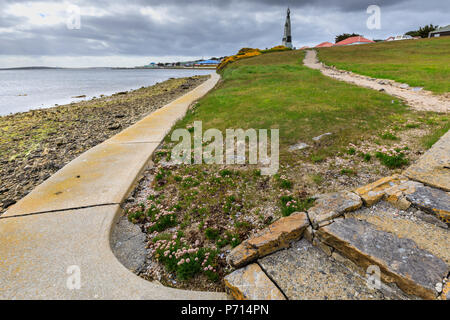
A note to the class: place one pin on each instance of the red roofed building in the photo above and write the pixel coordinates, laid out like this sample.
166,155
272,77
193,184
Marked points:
354,40
325,45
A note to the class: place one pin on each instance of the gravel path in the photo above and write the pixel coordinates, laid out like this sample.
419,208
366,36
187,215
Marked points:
417,98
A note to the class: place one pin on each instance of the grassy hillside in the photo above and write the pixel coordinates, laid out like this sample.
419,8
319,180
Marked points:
277,91
423,63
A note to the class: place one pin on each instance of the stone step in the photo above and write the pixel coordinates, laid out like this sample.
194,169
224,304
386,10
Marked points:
403,193
426,230
433,168
277,236
251,283
433,201
305,272
333,205
402,261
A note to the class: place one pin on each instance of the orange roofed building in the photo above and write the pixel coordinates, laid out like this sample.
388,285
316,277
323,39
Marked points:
325,45
353,41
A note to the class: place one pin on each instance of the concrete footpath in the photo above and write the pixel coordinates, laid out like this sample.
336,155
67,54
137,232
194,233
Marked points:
60,233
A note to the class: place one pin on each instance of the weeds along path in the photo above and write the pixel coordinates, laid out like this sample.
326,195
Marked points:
419,100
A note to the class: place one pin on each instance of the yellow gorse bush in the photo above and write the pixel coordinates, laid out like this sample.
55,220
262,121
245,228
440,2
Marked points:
242,54
248,53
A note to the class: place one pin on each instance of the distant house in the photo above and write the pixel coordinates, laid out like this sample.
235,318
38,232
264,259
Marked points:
354,41
398,38
207,63
441,32
325,45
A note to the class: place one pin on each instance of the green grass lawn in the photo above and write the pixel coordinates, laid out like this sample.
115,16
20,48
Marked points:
277,91
422,63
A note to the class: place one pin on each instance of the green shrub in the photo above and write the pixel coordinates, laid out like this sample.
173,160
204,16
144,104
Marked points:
285,184
225,173
162,174
244,225
351,151
229,239
190,182
289,205
186,261
161,222
152,211
212,234
392,161
229,204
389,136
136,217
317,158
348,172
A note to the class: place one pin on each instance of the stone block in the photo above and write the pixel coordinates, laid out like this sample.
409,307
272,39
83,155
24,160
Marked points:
401,261
333,205
433,201
375,191
251,283
275,237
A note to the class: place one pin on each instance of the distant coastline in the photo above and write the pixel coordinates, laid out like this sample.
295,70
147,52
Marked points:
113,68
32,68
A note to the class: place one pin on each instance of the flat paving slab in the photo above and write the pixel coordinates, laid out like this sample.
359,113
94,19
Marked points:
305,272
433,168
434,201
251,283
424,229
41,254
412,269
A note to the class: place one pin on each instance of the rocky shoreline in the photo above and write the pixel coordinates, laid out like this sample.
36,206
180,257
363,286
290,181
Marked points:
36,144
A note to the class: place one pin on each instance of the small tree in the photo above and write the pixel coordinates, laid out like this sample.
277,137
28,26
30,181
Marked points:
422,32
345,36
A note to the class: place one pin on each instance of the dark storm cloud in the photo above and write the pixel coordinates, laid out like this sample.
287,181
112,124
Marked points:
342,5
201,27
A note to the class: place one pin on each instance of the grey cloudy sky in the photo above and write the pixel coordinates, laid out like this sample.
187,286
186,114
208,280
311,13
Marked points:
135,32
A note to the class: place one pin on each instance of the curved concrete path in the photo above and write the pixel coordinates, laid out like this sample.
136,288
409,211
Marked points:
61,231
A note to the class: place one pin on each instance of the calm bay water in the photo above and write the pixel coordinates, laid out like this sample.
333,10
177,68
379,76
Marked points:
23,90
